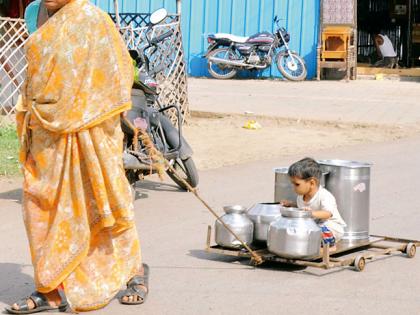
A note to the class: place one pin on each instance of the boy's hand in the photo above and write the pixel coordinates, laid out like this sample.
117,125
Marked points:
306,209
285,203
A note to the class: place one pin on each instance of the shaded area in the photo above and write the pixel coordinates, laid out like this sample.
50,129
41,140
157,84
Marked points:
14,284
14,194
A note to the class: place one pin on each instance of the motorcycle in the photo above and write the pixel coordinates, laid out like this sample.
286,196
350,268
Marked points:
228,53
146,117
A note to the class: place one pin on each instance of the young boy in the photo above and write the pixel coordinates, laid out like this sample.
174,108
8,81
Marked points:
305,176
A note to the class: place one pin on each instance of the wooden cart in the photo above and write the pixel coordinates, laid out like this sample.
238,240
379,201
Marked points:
347,254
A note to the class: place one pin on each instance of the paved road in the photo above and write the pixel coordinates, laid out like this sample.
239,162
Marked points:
186,280
362,101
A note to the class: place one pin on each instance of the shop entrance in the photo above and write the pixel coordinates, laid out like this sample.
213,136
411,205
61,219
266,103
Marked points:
398,20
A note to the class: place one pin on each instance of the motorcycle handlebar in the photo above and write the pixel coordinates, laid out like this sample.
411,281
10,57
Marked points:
161,37
152,43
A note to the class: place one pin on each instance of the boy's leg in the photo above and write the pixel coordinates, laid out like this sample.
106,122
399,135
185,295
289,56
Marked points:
328,237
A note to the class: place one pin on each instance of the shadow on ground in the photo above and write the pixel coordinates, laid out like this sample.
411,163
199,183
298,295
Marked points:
268,265
202,254
15,195
14,284
143,187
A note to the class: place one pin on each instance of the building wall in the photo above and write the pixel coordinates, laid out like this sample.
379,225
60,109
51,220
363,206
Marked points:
240,17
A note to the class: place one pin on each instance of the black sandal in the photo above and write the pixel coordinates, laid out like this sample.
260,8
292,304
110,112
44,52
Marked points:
41,304
134,290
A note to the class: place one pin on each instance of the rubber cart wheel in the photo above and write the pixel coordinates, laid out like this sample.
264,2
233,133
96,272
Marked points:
359,263
410,250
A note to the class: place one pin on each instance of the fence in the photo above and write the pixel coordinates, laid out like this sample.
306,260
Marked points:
169,57
13,35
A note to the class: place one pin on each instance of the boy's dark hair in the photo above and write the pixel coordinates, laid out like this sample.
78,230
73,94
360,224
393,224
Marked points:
305,169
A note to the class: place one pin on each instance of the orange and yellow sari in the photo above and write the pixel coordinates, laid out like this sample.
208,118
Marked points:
77,203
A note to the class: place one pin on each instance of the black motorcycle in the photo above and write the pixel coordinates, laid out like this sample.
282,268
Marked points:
147,114
228,53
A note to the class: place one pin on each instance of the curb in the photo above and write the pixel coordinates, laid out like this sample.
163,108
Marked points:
294,121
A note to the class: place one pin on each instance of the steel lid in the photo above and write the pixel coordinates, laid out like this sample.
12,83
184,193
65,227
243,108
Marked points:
234,209
345,163
265,209
281,170
295,213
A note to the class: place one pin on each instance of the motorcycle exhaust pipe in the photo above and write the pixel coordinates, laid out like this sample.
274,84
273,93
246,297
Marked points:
234,63
130,162
228,62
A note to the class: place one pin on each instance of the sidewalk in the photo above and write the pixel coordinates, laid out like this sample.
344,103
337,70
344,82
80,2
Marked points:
362,101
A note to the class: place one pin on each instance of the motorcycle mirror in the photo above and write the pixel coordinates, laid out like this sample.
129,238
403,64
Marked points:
133,53
158,16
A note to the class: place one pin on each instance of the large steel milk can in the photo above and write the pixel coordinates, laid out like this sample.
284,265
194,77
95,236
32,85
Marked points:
283,188
349,182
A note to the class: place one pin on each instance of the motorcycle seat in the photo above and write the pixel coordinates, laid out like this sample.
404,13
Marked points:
233,38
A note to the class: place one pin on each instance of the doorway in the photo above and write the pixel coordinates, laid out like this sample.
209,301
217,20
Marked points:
399,20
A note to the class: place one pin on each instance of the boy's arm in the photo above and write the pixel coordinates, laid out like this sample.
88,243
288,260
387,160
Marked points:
328,206
321,214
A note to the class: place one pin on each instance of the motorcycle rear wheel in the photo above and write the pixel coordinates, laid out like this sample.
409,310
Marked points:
187,170
220,71
292,71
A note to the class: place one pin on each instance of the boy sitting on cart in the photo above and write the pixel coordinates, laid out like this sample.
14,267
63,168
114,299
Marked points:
305,176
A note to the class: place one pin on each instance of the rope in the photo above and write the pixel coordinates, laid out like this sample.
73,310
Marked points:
256,258
158,158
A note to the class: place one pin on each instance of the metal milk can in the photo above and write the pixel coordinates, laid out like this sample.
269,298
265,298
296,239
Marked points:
283,188
294,235
262,214
349,182
237,220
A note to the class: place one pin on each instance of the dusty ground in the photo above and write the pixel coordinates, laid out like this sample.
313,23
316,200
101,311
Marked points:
222,140
172,225
392,103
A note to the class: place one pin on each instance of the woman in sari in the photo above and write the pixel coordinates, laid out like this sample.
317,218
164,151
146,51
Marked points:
77,203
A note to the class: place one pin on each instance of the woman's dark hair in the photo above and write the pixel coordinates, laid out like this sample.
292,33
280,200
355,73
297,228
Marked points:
306,169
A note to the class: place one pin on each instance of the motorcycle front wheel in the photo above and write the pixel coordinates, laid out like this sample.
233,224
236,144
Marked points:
291,66
187,170
219,71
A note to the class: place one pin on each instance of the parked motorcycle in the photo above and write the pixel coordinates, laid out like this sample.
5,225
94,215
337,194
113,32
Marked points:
228,53
144,116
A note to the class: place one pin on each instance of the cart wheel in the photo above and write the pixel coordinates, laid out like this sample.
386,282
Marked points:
359,263
410,250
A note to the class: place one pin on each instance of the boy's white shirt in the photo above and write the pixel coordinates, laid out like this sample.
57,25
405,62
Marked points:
324,200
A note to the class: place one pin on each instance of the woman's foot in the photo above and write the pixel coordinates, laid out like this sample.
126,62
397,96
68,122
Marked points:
137,288
39,302
53,298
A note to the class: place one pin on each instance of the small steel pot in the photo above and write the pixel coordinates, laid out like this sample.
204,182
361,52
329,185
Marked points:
237,220
294,235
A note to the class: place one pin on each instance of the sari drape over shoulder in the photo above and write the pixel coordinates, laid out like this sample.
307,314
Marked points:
77,203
